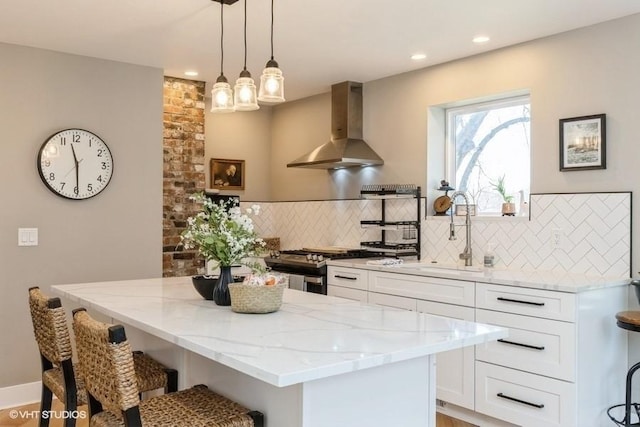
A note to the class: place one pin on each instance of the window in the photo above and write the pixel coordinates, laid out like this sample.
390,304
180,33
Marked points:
487,143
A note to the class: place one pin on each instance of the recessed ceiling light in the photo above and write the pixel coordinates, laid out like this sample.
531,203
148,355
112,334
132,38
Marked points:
191,73
418,56
481,39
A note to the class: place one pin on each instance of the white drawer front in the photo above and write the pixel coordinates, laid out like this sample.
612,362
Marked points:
524,399
540,346
428,288
347,277
529,302
392,301
348,293
454,368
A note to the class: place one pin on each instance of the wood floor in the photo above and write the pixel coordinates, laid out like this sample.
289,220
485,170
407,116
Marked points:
27,417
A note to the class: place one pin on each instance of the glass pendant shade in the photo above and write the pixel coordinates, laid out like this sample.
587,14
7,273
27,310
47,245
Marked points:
222,96
245,93
271,84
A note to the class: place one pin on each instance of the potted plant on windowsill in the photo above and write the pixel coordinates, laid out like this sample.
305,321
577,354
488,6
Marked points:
508,207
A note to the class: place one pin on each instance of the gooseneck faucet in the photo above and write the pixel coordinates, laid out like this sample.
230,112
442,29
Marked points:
466,253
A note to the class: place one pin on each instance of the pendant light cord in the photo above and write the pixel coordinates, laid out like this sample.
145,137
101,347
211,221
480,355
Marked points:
271,29
245,35
221,38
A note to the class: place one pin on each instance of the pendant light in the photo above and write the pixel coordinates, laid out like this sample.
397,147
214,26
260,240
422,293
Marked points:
271,81
245,89
221,95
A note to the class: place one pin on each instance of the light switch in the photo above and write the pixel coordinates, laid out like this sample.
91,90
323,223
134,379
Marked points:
27,237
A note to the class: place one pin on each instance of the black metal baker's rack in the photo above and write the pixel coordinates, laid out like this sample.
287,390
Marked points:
385,192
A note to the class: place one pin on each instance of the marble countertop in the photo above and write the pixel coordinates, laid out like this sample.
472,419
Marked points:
540,279
312,336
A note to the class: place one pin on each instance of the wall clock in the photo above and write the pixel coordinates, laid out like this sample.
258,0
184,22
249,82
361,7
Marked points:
75,164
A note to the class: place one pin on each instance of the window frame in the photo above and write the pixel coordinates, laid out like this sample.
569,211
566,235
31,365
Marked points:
474,107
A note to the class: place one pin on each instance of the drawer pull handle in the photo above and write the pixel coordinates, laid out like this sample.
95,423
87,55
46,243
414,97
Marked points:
535,405
337,276
535,347
540,304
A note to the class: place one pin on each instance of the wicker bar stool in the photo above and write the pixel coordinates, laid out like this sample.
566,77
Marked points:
106,365
629,320
58,373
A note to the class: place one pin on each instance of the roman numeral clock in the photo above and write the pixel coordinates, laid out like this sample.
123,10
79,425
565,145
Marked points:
75,164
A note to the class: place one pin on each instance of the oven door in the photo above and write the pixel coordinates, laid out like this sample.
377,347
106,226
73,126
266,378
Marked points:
307,283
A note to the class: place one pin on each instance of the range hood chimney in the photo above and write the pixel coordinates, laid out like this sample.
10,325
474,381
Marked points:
346,148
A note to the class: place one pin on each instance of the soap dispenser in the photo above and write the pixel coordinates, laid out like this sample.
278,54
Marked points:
489,257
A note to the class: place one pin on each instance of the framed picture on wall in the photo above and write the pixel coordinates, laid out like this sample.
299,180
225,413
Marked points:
227,174
583,143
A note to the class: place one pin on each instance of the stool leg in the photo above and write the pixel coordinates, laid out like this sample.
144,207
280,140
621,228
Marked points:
172,380
627,402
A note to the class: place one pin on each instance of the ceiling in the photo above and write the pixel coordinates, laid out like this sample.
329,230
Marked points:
317,43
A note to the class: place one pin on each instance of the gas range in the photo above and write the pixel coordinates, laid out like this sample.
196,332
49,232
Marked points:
308,266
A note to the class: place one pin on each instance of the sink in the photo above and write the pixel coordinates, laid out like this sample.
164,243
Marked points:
434,267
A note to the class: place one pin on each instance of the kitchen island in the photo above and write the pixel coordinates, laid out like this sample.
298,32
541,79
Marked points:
319,361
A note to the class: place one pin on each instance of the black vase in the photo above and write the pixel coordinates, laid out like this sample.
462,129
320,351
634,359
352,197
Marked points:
221,294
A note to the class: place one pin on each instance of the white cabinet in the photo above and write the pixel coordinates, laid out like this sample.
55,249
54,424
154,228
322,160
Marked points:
350,283
564,361
442,297
454,368
392,301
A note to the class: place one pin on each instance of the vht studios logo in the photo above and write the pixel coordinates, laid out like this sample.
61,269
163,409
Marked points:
47,415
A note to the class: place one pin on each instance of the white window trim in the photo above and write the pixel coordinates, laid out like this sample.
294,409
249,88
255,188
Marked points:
472,107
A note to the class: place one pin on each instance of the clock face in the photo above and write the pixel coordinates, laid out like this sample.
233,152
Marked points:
75,164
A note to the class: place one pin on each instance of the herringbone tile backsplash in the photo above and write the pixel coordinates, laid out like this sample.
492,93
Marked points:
586,233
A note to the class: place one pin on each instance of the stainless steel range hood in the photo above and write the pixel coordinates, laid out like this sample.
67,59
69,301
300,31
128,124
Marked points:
346,148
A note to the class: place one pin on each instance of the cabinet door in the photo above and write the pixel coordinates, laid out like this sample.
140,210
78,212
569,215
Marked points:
448,291
455,376
348,293
392,301
525,301
347,277
540,346
525,399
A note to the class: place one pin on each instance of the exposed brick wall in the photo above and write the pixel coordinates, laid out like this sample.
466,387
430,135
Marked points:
183,147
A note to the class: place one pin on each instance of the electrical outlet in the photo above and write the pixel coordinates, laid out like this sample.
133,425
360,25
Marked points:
556,238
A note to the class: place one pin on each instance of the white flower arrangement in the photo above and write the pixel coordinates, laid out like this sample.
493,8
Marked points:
222,233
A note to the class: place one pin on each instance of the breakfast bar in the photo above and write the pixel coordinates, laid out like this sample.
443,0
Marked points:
318,361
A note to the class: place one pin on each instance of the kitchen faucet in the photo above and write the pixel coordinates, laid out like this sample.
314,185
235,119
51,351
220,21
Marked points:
466,253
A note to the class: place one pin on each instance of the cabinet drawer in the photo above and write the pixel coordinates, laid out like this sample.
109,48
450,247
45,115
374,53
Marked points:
392,301
348,293
524,399
529,302
347,277
448,291
454,368
539,346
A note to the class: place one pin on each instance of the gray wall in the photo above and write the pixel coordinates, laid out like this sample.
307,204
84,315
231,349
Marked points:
117,234
241,136
587,71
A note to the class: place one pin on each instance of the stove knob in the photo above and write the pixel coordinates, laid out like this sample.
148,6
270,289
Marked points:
314,257
320,258
309,257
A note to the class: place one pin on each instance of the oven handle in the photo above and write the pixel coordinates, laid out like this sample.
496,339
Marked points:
313,279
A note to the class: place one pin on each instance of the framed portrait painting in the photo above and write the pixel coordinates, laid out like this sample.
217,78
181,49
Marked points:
583,143
226,174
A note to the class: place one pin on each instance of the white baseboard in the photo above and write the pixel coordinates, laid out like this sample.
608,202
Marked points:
21,394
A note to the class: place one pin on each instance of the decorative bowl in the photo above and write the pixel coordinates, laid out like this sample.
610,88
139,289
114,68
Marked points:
204,285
